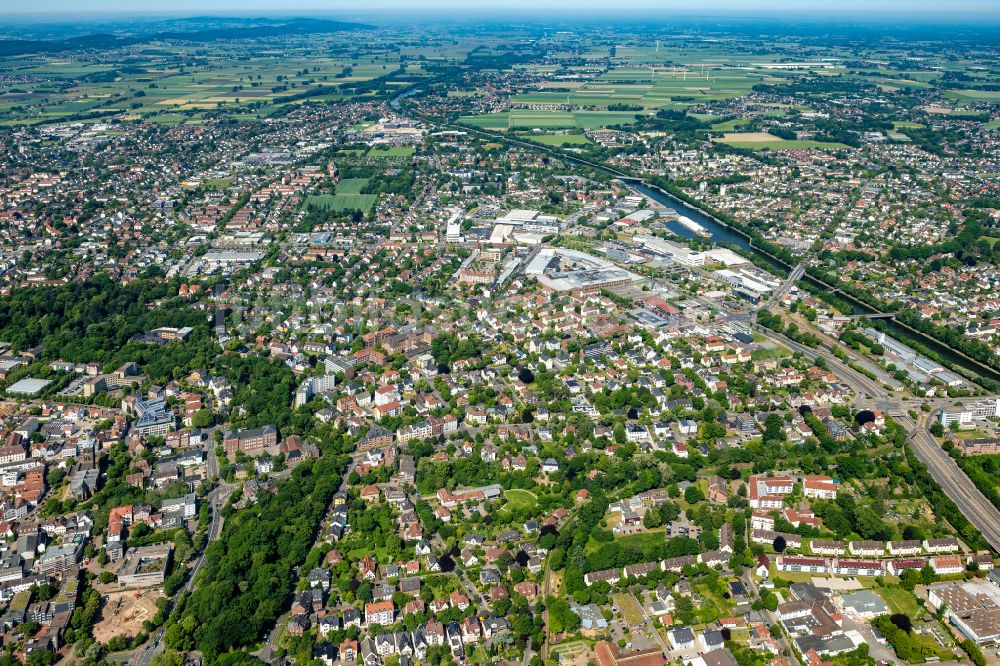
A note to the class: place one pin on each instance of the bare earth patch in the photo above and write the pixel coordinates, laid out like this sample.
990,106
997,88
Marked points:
124,613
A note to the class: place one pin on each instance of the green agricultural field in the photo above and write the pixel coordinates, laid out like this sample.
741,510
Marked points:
541,119
598,119
488,121
974,95
730,125
760,141
993,124
558,139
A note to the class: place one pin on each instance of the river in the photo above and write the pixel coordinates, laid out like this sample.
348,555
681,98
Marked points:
723,233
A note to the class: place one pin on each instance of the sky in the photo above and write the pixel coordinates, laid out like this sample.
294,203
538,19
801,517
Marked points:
350,8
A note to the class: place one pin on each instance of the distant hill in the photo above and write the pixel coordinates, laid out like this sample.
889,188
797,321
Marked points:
13,47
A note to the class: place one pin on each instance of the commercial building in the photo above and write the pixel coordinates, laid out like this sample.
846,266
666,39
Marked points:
972,607
675,252
145,566
576,272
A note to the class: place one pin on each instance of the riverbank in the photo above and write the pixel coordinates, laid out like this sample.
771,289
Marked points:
724,233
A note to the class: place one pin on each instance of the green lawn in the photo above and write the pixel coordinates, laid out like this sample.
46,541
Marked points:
339,202
630,609
395,151
764,353
900,601
785,144
517,498
351,185
650,538
558,139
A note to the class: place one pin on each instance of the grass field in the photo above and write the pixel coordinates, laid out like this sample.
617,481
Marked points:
974,95
218,183
524,119
900,601
341,202
520,498
395,151
630,609
730,125
559,139
764,353
994,124
765,141
351,185
652,537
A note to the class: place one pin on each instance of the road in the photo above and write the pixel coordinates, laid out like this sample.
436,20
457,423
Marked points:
772,619
651,625
785,287
215,498
857,381
266,652
956,485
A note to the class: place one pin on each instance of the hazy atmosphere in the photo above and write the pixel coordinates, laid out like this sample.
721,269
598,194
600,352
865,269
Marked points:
499,333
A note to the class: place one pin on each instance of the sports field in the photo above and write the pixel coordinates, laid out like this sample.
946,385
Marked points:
351,185
341,202
394,151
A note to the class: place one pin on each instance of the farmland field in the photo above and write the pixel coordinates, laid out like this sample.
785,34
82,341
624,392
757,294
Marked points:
974,95
522,119
765,141
558,139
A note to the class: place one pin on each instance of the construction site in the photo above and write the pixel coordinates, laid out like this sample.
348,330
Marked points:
124,612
